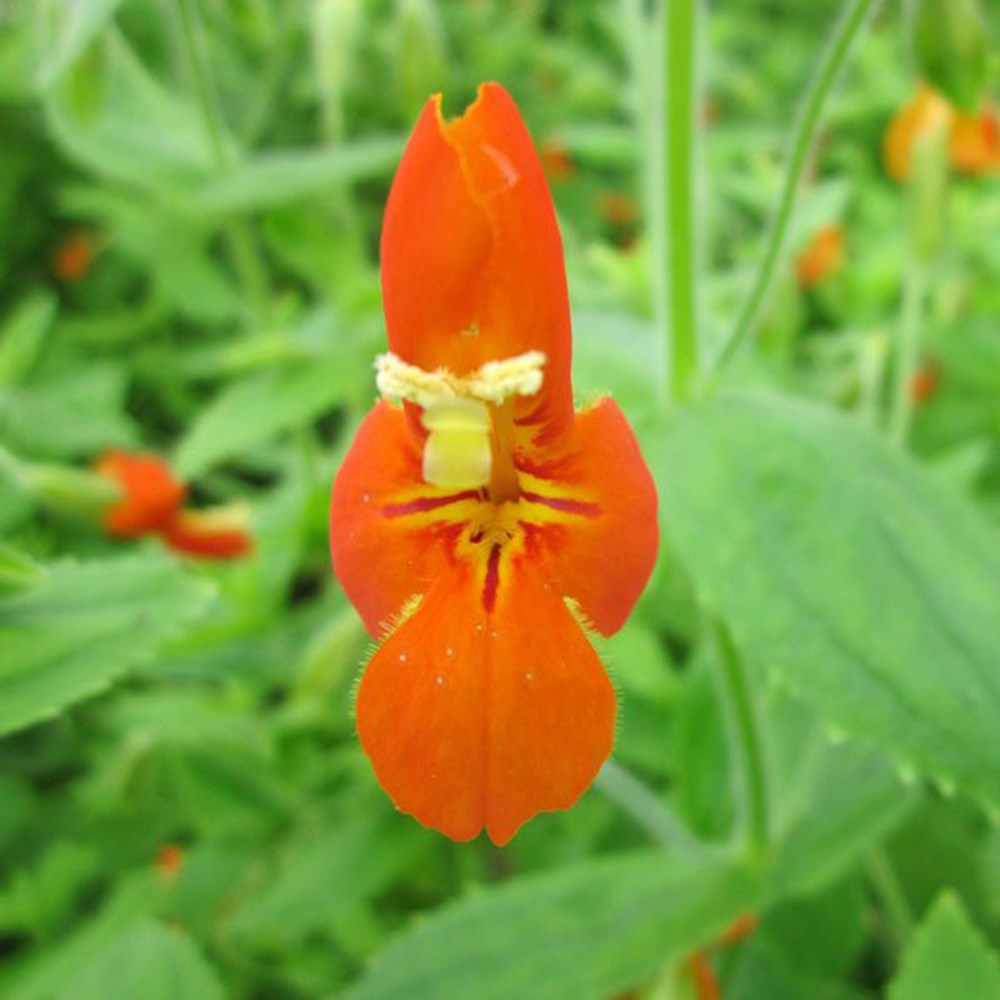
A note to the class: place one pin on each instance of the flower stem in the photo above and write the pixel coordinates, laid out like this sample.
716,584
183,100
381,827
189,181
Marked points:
648,810
807,127
240,242
895,906
675,260
907,349
743,719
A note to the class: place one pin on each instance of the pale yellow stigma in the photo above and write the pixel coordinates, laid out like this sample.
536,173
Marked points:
460,411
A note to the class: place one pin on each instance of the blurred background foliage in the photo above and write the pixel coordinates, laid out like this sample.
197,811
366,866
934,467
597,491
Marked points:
190,199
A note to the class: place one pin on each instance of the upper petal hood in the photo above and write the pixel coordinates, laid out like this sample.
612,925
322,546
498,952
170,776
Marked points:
472,267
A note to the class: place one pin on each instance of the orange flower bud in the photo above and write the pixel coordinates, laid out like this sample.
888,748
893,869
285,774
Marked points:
169,861
73,257
822,256
152,495
556,161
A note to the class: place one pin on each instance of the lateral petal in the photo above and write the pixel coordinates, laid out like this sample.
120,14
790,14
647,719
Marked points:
476,719
602,550
382,561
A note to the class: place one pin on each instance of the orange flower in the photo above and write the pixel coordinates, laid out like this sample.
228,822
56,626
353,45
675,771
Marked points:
219,533
73,257
152,503
462,523
151,495
973,140
822,257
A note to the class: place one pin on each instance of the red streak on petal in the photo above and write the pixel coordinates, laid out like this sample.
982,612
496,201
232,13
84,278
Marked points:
423,504
492,579
565,504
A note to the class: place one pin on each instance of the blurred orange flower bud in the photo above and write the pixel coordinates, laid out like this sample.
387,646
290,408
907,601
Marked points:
823,255
973,139
218,533
925,383
618,209
927,112
73,257
169,861
151,494
556,160
974,146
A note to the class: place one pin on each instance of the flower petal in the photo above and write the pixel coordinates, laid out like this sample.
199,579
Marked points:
152,494
218,533
382,561
478,720
472,267
602,552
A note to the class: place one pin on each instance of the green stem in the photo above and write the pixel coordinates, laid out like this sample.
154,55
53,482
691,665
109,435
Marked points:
807,127
240,242
907,349
648,810
883,879
674,253
745,737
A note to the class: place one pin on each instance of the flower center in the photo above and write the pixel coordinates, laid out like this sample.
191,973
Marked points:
469,419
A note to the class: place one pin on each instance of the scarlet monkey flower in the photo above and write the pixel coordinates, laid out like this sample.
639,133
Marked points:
477,526
152,503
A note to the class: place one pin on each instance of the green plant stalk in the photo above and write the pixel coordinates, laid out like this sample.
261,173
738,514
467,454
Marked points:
807,127
907,349
895,906
745,737
926,204
240,242
676,290
648,811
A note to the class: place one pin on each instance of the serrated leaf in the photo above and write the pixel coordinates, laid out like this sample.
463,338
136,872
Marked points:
948,957
79,629
254,409
842,567
588,931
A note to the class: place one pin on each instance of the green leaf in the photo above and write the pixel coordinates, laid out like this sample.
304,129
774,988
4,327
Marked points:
148,960
324,877
79,629
948,957
137,132
859,582
280,178
74,27
22,334
587,931
75,414
249,412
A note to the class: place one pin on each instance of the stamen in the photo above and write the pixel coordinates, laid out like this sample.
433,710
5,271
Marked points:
469,419
494,382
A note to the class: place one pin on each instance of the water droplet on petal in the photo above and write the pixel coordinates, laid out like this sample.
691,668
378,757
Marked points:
439,680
